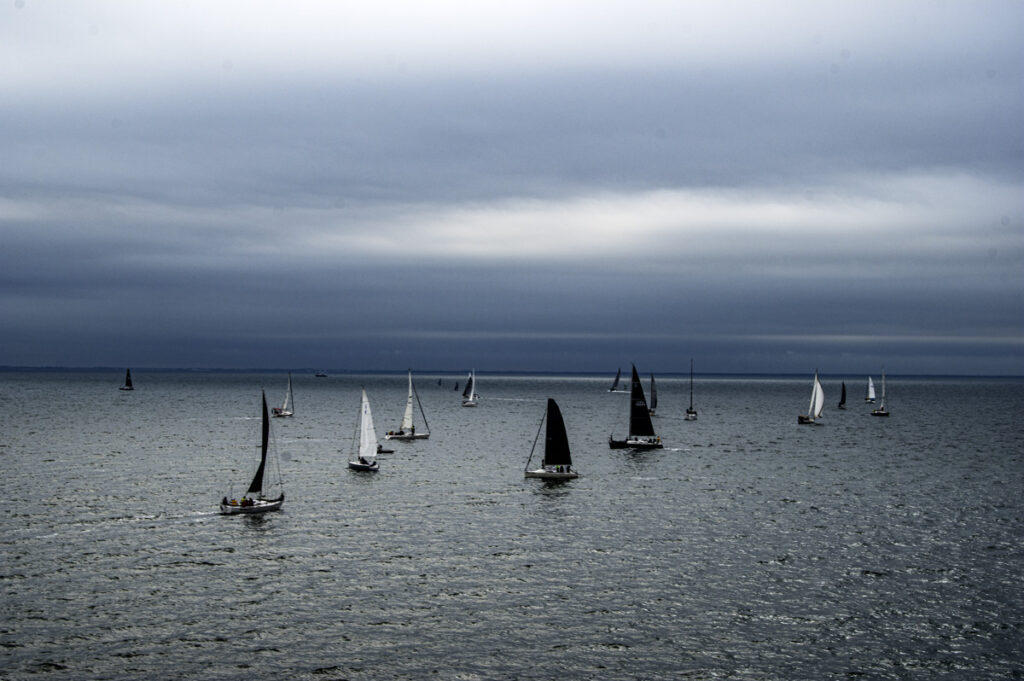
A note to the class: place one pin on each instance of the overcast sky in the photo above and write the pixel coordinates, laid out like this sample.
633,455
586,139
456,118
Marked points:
574,186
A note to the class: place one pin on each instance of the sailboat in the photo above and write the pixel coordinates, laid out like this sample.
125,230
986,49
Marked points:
288,408
407,431
654,397
870,395
817,404
469,395
254,500
842,397
615,384
556,464
641,430
691,413
882,410
366,437
127,380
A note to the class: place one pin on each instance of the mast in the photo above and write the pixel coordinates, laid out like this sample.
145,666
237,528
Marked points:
691,384
257,480
639,416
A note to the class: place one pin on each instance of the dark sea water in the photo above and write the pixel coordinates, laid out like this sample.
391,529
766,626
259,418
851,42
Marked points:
749,548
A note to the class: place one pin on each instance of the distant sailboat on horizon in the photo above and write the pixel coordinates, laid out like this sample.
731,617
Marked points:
615,384
869,396
842,397
882,409
287,408
654,397
691,413
469,394
817,404
127,381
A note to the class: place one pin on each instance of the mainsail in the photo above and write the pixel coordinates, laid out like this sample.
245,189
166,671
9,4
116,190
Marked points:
556,442
367,435
817,399
257,480
639,416
407,417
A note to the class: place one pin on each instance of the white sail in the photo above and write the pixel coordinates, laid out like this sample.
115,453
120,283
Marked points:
287,406
367,435
407,417
871,390
817,399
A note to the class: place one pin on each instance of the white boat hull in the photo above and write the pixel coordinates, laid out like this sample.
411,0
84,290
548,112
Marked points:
546,474
405,437
280,412
252,506
468,403
364,467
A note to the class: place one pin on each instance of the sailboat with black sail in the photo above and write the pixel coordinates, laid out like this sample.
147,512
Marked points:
654,397
556,463
842,397
127,380
256,499
691,413
817,404
615,384
288,407
407,431
641,430
365,440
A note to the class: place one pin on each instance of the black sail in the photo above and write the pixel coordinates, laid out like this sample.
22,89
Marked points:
556,444
639,416
257,480
128,378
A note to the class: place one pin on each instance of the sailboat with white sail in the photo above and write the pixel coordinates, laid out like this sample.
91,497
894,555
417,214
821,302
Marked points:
256,499
469,394
127,385
407,431
641,431
556,463
882,410
288,407
817,404
869,396
691,413
365,440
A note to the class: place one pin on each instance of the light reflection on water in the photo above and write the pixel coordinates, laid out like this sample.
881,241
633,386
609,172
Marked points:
749,548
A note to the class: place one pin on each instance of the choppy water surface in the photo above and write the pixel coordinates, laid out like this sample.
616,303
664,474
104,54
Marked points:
749,548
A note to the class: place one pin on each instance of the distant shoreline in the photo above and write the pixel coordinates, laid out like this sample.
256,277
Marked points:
460,372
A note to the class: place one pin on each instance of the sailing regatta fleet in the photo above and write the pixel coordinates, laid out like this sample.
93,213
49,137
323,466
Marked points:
265,491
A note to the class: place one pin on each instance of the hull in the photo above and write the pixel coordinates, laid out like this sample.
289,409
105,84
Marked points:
691,415
654,443
806,420
278,411
879,412
406,437
545,474
468,403
252,506
364,467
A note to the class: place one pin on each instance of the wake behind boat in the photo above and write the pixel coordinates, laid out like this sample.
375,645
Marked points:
407,431
365,440
556,463
817,404
255,500
641,430
288,407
